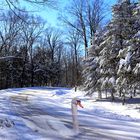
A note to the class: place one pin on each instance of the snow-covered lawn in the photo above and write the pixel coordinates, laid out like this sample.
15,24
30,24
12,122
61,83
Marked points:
45,114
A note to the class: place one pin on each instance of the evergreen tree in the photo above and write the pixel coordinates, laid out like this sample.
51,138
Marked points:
91,72
117,65
123,13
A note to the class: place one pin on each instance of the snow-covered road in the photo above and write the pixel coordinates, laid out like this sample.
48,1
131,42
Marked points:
45,114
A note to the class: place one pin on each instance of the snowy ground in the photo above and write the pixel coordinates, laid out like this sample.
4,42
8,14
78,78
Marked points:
45,114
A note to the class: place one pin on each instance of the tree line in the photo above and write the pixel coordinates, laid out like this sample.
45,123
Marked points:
34,55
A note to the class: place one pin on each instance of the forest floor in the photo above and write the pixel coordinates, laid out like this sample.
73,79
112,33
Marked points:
43,113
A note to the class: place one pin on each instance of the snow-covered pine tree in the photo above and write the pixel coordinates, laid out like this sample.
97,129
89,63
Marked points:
125,75
106,63
115,49
136,50
115,59
91,72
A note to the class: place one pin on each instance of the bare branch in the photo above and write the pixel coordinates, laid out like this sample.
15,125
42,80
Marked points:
14,5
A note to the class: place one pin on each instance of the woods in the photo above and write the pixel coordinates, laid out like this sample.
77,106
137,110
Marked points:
33,55
113,63
88,51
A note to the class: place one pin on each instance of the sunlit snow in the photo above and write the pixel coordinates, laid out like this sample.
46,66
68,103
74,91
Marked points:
45,114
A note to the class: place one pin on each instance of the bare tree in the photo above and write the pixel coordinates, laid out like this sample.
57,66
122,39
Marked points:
86,17
53,41
54,44
74,41
15,3
9,32
31,33
95,15
16,6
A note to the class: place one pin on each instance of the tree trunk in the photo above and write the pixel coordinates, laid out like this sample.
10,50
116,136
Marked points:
131,95
134,92
106,93
123,99
100,94
112,95
120,93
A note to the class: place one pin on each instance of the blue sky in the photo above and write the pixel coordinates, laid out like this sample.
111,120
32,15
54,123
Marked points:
48,13
51,15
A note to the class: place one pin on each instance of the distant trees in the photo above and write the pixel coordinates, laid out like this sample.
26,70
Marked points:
17,40
9,33
53,40
33,55
74,44
116,54
31,34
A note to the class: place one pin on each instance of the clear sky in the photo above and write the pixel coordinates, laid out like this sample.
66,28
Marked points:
51,15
